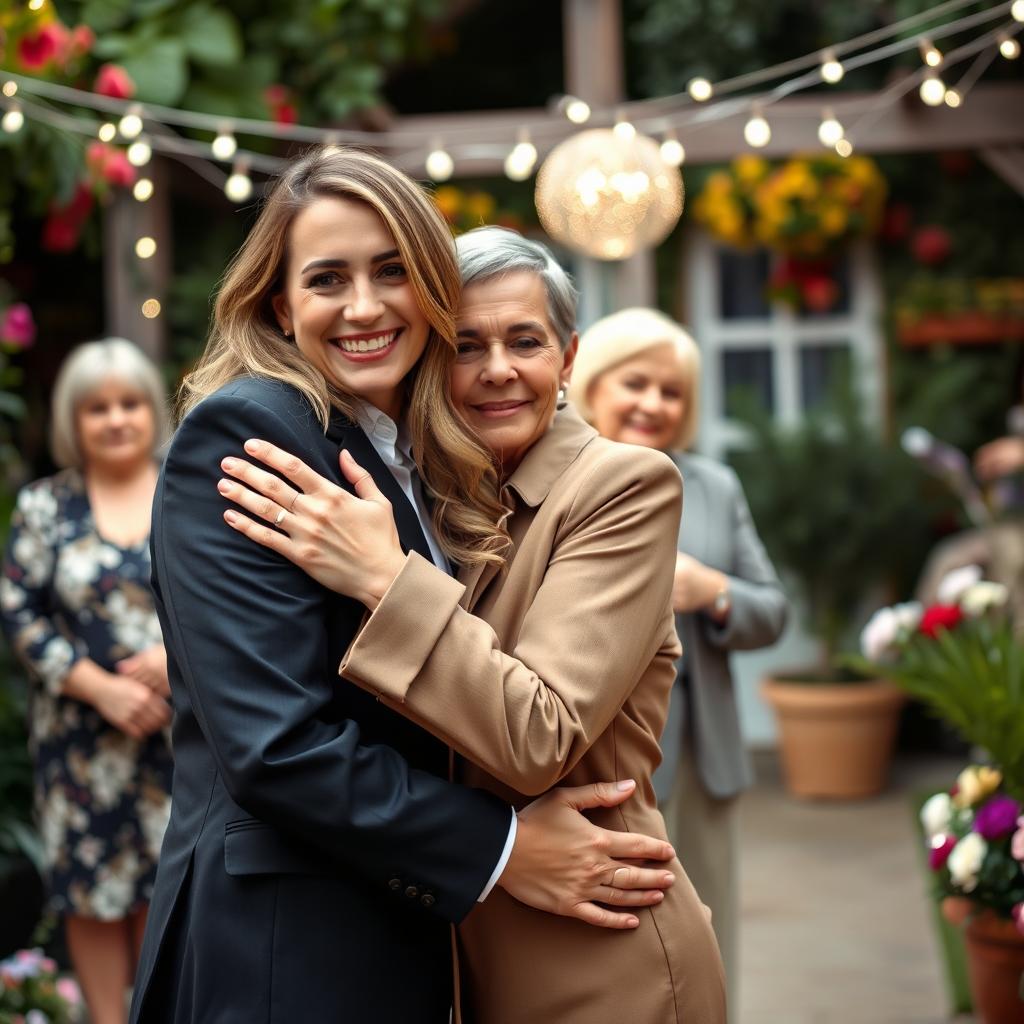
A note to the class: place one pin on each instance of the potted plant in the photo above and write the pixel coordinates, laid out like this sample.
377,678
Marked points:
32,993
840,513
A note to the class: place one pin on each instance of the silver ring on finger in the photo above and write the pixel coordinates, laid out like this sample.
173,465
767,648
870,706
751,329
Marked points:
280,516
295,498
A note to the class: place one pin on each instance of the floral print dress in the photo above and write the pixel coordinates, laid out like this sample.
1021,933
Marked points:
102,798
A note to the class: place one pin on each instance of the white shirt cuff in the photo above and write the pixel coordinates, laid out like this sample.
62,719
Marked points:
502,860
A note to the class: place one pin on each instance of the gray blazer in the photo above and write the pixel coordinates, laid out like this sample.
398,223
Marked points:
717,529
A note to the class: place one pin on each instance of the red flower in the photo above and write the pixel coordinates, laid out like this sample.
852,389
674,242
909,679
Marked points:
82,40
109,164
286,114
939,616
64,225
896,222
112,80
938,855
931,245
278,99
38,50
819,293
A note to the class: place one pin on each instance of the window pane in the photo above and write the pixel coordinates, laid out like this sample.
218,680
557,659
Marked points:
820,367
742,282
746,379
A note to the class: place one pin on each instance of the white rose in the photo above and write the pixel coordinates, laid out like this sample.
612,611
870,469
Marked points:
879,635
981,596
936,814
965,861
908,617
956,582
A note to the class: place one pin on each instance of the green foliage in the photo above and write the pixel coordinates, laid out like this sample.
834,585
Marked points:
838,507
17,837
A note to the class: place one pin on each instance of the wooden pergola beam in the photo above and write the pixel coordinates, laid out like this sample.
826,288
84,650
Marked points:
989,118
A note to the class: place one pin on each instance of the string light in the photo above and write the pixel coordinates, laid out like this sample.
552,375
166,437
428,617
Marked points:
10,88
933,91
700,89
671,150
145,247
13,120
142,189
238,187
624,130
1017,10
832,70
520,162
36,5
844,147
131,124
224,145
575,109
107,132
439,164
757,131
1009,47
953,98
930,54
830,131
139,153
151,309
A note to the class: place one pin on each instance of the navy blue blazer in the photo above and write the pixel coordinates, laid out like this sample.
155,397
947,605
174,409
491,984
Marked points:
316,852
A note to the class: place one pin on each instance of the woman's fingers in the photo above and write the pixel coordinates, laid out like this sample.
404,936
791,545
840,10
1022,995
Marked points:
637,878
266,486
365,486
634,846
600,917
307,480
269,538
631,897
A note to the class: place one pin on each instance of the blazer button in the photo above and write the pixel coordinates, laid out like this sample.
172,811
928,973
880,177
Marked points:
412,892
395,884
427,900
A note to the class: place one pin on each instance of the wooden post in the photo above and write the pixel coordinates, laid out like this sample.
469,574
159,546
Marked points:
130,281
593,72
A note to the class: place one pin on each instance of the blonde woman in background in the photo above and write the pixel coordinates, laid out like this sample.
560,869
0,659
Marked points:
637,380
78,611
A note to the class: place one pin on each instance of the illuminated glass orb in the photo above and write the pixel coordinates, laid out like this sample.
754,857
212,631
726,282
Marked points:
607,197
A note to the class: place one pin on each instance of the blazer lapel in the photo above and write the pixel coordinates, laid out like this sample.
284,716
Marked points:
349,435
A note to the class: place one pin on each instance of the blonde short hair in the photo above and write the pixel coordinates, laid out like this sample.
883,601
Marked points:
85,369
622,336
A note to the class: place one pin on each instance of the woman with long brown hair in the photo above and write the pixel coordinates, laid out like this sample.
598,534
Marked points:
316,852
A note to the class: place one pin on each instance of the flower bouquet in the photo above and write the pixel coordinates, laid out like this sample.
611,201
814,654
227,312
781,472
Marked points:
31,992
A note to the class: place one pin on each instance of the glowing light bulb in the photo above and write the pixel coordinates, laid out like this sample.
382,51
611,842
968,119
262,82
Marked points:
107,132
832,70
953,98
520,161
577,110
139,153
844,147
439,164
13,121
145,247
672,151
130,126
757,132
238,187
224,145
1009,48
700,89
624,131
10,88
36,5
830,131
151,309
933,91
930,54
142,189
1017,10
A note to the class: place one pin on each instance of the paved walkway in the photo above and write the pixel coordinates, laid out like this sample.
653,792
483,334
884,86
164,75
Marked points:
835,924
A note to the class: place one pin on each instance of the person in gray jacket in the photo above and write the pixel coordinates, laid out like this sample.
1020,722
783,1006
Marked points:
637,380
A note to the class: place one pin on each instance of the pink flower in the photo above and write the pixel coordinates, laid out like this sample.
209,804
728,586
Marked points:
38,50
1017,842
82,40
64,225
112,80
117,170
939,851
18,328
68,990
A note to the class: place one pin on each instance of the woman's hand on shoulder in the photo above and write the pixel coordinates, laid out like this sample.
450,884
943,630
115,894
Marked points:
564,864
347,543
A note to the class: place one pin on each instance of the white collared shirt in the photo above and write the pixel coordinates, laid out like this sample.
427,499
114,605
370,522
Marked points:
392,443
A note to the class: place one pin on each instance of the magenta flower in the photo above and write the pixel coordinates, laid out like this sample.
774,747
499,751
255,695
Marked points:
1017,842
997,818
17,327
939,851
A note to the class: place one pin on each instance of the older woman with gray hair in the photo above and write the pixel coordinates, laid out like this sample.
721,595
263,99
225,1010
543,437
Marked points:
637,380
552,669
78,610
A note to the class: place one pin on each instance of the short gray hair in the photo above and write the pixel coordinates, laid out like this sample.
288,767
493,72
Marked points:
493,252
84,370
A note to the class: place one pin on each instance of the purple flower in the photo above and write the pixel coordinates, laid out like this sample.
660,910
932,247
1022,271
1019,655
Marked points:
17,327
997,818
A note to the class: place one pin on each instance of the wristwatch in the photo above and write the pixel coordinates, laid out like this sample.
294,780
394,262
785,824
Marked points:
722,602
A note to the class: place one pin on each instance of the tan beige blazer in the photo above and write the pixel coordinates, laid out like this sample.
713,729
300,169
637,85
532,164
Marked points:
561,675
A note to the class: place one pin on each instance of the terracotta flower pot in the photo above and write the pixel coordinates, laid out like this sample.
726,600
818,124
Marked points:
836,738
995,963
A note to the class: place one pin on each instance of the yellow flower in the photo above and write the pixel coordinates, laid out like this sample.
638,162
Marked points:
975,783
448,199
750,168
718,184
833,220
479,206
